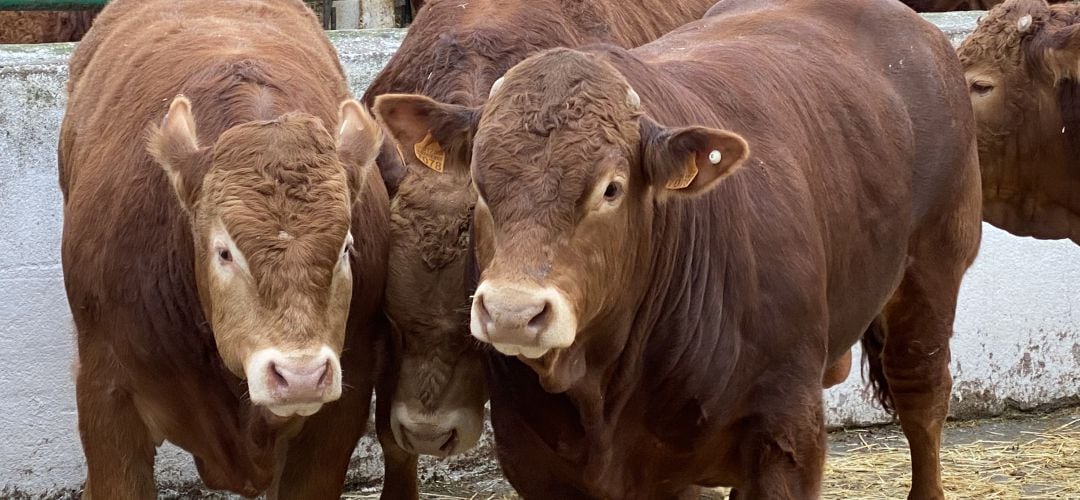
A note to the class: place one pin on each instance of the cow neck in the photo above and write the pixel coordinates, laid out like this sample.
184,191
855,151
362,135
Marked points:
683,342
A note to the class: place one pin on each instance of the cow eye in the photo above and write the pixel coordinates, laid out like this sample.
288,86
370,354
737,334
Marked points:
225,255
981,88
613,191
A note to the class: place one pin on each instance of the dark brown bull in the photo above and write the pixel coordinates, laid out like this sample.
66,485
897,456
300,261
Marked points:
453,52
677,240
44,26
214,239
1023,68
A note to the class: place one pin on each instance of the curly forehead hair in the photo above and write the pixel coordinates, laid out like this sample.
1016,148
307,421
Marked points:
998,40
562,89
283,197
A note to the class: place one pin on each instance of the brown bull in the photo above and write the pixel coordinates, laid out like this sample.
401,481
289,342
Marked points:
677,240
44,26
453,52
1023,70
210,247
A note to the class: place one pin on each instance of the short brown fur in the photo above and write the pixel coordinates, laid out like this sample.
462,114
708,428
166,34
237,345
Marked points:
160,345
708,317
454,52
44,26
1025,89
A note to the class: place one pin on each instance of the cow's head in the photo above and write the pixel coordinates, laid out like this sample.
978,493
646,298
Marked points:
1022,65
270,208
438,403
569,173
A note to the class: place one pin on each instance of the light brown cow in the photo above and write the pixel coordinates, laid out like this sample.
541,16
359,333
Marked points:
678,240
454,51
215,238
1023,70
44,26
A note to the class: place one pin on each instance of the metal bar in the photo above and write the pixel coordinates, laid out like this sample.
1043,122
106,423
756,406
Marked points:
51,4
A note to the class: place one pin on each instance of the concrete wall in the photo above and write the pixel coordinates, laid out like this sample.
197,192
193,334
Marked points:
1017,338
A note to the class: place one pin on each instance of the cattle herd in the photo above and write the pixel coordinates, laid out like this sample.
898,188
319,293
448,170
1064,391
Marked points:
647,232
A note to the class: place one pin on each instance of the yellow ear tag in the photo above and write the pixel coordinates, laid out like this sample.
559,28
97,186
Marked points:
430,153
688,175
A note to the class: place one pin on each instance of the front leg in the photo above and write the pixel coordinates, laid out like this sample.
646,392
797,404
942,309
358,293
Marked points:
118,446
784,454
318,457
399,466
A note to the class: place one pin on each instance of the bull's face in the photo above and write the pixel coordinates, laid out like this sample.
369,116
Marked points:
1020,65
568,174
270,210
438,403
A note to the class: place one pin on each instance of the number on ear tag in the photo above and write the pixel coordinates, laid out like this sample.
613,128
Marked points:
430,153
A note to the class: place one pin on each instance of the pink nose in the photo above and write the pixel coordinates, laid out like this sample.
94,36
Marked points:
512,317
299,380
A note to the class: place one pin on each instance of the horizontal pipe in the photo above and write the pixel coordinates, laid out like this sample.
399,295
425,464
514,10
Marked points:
51,4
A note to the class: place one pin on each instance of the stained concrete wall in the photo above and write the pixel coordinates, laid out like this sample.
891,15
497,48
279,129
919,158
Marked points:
1017,340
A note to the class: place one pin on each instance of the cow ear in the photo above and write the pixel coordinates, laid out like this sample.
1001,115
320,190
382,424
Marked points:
175,147
689,161
358,142
427,132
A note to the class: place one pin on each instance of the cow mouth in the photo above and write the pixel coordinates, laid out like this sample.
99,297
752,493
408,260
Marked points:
294,410
528,352
543,364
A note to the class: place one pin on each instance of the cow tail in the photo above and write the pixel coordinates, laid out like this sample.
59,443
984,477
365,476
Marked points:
873,343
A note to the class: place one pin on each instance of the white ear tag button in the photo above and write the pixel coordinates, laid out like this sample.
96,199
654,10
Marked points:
714,157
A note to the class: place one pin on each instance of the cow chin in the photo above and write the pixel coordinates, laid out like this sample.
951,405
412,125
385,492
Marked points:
293,383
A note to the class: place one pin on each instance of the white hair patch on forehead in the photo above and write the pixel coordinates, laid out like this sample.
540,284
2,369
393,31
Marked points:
633,100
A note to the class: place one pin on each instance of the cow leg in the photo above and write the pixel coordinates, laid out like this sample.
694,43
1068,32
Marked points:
784,453
918,325
399,466
118,446
318,457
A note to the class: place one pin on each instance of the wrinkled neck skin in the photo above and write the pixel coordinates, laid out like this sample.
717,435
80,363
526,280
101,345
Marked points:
1031,175
676,322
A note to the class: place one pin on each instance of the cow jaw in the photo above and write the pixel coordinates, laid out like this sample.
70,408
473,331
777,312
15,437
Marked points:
522,320
293,383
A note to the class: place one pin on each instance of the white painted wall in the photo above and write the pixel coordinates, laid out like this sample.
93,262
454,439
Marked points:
1017,331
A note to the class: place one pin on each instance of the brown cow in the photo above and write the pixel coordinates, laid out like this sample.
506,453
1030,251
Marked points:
669,294
1023,67
220,246
44,26
453,52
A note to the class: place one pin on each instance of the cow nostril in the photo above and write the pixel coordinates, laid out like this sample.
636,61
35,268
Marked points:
540,322
451,442
277,377
485,318
324,378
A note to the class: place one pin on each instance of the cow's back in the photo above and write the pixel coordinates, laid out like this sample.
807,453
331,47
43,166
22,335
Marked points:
850,116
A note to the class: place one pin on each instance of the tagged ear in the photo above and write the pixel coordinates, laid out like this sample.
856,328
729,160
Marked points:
359,140
427,132
689,160
175,147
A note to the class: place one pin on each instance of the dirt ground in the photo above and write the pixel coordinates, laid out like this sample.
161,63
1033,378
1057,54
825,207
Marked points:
1021,456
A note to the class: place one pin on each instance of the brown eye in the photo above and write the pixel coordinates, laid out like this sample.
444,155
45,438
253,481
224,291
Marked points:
981,88
613,191
225,255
